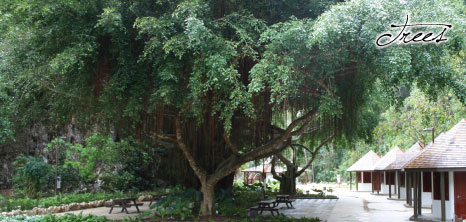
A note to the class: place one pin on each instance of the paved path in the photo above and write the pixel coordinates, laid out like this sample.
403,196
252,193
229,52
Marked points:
351,207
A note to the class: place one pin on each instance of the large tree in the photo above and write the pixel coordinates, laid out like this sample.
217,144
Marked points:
214,78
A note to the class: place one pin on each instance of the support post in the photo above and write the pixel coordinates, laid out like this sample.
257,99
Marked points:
357,181
398,175
415,194
379,185
372,181
389,185
419,193
409,194
351,181
442,195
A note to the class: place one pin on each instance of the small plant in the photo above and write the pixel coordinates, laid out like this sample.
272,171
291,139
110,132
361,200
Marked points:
178,204
319,192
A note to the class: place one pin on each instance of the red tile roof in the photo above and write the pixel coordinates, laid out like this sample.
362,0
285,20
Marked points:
366,163
447,151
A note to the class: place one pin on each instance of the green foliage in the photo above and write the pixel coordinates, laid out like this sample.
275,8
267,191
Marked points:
31,175
181,53
179,204
99,150
21,218
9,204
238,203
403,126
73,218
119,165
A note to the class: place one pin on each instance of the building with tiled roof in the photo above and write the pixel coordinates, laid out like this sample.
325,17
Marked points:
402,177
446,159
385,181
363,169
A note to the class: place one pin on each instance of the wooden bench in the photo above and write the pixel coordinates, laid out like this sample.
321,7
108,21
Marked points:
271,209
125,204
266,205
284,199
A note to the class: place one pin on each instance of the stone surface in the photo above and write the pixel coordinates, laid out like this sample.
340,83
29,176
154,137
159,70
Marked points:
351,207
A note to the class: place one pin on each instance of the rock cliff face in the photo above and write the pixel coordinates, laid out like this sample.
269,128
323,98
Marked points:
31,141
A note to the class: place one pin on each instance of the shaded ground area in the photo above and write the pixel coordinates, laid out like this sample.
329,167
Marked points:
350,207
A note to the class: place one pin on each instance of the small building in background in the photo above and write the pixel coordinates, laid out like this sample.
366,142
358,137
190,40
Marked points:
363,169
260,172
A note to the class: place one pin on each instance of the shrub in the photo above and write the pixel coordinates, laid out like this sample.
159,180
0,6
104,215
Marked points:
31,176
73,218
238,203
183,204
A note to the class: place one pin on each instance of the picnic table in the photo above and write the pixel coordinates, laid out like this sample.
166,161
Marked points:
268,205
125,203
284,199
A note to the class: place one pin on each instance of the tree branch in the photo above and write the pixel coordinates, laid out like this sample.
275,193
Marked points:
276,145
201,174
314,154
272,170
302,146
285,161
269,147
230,144
165,137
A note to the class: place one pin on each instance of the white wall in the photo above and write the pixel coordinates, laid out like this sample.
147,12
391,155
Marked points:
426,196
403,192
364,186
426,199
384,189
436,211
449,205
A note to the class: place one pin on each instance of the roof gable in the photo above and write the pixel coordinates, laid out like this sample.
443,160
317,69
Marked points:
408,155
447,151
366,163
389,158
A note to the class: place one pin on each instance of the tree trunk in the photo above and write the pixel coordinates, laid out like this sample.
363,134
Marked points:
288,183
208,199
